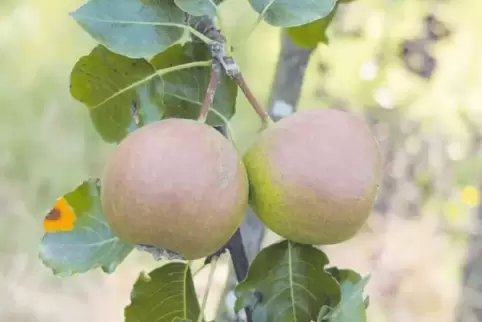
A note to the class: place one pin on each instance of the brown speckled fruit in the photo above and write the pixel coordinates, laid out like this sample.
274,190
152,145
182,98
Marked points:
176,184
314,176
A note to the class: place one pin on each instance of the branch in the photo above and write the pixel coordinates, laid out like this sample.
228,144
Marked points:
240,263
237,247
285,94
220,54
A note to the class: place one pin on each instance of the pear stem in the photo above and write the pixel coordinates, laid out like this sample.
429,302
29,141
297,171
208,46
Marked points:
252,100
221,54
210,91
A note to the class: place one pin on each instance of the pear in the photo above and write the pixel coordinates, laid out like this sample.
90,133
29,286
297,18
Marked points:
177,184
314,176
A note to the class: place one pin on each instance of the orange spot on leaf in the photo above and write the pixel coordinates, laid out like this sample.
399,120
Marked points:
60,218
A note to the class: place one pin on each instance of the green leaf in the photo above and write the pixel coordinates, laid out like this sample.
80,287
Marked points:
290,13
88,243
287,282
105,82
198,7
114,86
133,28
166,295
184,90
342,275
311,34
352,305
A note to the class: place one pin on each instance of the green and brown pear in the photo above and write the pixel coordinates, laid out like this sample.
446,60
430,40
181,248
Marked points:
314,176
176,184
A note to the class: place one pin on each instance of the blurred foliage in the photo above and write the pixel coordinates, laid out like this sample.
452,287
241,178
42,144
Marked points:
49,145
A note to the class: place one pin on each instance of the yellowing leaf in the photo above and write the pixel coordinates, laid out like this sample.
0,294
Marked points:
77,238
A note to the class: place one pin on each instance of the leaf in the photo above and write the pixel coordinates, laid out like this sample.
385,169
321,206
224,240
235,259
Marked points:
198,7
290,13
114,87
352,305
311,34
133,28
104,81
342,275
168,294
88,243
287,282
184,90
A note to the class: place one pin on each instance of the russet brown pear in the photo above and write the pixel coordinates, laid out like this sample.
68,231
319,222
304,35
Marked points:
314,176
176,184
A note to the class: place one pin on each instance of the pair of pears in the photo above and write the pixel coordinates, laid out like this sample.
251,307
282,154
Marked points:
180,185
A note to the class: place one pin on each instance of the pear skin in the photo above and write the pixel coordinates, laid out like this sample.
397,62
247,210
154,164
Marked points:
314,176
176,184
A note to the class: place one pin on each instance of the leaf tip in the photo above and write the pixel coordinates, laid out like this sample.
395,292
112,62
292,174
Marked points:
73,14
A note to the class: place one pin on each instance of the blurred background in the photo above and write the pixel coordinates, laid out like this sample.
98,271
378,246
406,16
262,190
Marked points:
411,68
